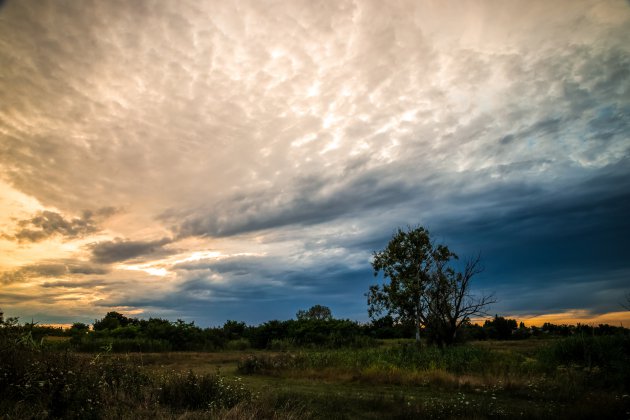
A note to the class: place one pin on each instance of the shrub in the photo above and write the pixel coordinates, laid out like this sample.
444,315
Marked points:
238,344
606,358
37,382
191,391
62,384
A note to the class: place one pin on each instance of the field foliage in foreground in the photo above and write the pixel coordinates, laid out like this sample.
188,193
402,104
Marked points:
575,377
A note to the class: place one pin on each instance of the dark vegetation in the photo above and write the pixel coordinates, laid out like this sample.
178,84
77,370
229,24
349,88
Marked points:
120,334
311,368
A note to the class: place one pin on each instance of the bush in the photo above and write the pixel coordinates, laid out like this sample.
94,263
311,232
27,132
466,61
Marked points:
193,392
38,382
238,344
607,357
62,384
263,364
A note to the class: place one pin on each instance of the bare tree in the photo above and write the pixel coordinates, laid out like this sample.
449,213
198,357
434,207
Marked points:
451,304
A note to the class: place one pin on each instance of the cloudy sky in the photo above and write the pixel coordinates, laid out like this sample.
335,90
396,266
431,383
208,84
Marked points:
214,160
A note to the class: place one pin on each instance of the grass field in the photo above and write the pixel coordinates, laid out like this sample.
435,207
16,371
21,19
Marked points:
557,378
492,380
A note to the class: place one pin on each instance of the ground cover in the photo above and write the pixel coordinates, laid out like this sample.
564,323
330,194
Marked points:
559,378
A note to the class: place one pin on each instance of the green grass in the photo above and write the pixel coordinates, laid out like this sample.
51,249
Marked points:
579,377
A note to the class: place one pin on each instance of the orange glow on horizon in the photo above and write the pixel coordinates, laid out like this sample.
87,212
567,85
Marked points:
574,317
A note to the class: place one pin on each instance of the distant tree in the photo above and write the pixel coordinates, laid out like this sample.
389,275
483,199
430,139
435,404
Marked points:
113,320
317,312
79,327
233,329
77,331
500,328
422,287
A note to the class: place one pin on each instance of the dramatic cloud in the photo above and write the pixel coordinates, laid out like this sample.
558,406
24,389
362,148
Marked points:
262,151
51,269
124,250
47,223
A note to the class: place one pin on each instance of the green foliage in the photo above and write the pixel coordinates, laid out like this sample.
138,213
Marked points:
499,328
238,344
233,330
422,286
456,359
61,384
193,392
306,332
113,320
605,357
407,261
315,313
385,327
38,382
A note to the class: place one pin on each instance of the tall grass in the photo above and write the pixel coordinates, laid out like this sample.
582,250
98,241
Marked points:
40,382
191,391
457,360
604,360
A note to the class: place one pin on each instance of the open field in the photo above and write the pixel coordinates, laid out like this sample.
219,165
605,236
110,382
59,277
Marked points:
356,384
490,379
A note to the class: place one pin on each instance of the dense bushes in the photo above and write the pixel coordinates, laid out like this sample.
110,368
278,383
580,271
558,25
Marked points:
37,382
194,392
121,334
606,357
118,333
35,379
328,333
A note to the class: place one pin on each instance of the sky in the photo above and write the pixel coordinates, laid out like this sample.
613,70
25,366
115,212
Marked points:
215,160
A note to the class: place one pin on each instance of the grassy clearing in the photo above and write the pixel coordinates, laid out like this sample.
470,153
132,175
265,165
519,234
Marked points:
563,378
553,379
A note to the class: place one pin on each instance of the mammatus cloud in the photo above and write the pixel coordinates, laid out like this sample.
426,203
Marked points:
46,224
292,139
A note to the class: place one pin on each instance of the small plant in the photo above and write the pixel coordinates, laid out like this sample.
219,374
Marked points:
194,392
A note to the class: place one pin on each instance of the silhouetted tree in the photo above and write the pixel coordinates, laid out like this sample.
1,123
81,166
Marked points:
318,312
423,287
113,320
77,331
500,328
233,329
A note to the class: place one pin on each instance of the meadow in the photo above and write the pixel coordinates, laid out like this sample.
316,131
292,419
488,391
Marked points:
580,376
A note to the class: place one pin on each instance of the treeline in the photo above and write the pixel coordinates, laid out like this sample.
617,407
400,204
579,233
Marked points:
315,328
500,328
156,334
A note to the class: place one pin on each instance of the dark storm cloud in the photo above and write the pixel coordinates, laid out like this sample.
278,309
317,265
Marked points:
314,200
597,291
544,249
58,269
251,288
120,250
46,224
